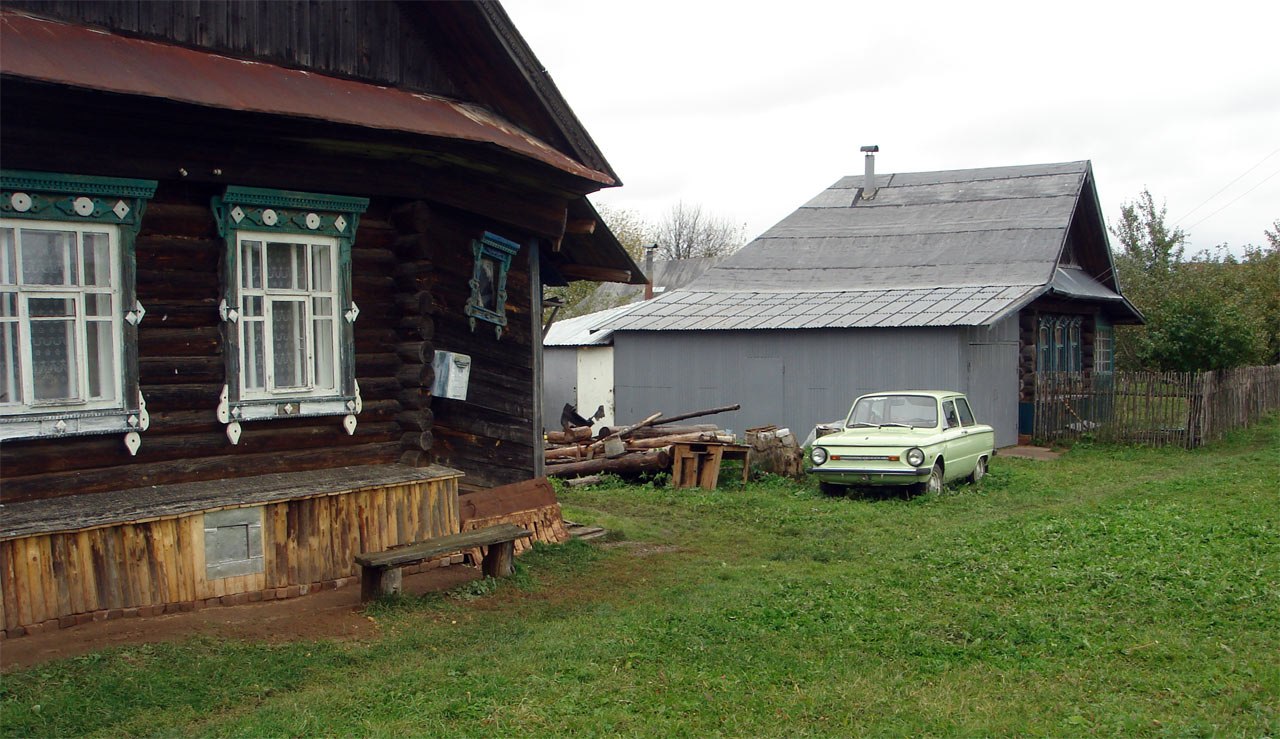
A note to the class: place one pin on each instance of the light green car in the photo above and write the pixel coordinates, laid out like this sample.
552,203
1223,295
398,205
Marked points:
919,438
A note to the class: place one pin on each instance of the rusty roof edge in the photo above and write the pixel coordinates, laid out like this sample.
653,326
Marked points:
78,56
545,88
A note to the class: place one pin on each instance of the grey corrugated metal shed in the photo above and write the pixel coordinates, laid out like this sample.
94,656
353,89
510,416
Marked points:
588,330
955,248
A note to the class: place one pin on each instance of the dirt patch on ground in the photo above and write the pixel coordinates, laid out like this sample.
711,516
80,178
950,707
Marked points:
330,614
640,548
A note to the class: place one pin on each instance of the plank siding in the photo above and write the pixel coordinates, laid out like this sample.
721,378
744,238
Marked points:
360,40
161,562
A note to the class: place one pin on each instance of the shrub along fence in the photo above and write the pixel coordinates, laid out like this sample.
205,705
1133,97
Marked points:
1186,409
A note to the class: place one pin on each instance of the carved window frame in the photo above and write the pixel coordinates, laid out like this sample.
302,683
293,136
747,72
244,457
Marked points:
488,301
256,214
83,203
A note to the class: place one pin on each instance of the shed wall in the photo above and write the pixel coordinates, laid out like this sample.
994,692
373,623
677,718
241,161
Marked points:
992,377
559,382
793,379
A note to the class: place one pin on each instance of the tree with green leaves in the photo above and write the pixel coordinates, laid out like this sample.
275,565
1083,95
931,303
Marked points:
1212,311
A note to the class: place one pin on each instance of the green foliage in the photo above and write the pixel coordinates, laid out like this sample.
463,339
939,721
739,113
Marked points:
1194,330
1212,311
1115,591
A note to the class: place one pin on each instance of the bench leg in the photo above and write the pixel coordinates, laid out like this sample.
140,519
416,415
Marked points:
499,562
378,581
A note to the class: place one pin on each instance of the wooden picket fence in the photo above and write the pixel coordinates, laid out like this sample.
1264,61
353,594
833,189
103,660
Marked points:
1184,409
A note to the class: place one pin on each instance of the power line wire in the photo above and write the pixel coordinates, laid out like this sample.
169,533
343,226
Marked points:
1224,187
1246,192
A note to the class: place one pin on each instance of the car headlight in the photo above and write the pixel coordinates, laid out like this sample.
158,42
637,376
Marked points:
915,456
818,455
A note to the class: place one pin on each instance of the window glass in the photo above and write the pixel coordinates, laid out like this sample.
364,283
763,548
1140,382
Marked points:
100,360
53,356
289,325
966,415
97,260
8,258
908,410
949,414
288,343
10,356
48,257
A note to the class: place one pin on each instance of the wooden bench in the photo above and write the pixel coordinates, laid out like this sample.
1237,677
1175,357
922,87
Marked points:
380,571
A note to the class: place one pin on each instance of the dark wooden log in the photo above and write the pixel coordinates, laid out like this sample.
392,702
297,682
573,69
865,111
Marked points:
416,375
665,430
416,352
418,420
631,464
417,440
189,470
419,303
595,274
102,451
697,414
499,559
417,327
576,434
189,220
415,398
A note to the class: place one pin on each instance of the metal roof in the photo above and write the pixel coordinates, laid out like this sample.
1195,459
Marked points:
963,247
588,330
61,53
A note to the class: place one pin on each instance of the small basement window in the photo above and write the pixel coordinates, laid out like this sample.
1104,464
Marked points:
233,543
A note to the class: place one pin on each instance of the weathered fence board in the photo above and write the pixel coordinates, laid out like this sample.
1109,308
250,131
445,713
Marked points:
1184,409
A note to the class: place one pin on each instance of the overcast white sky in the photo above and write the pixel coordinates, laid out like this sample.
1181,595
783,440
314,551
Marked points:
750,109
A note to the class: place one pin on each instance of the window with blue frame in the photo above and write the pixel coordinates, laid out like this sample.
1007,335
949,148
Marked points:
1059,344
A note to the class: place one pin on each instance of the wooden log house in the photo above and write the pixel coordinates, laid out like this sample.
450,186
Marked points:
233,239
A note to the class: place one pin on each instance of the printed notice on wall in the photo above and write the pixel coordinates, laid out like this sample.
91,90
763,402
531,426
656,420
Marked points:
452,374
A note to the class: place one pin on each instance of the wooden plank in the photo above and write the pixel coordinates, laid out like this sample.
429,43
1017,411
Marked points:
441,545
20,586
87,597
63,574
275,545
194,533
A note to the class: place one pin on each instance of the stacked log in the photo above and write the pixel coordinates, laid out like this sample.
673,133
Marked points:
641,448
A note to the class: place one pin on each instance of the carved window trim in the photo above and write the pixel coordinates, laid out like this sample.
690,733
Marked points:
488,301
248,214
46,200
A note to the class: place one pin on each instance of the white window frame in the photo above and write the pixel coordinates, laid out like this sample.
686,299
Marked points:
11,284
46,201
313,386
248,214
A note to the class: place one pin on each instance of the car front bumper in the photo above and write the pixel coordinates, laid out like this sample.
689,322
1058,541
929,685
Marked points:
906,476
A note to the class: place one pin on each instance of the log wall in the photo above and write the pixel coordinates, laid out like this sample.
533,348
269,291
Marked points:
489,436
181,373
152,566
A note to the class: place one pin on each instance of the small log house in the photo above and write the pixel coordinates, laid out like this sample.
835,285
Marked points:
233,239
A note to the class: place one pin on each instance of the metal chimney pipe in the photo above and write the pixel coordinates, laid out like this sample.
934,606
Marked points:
869,181
648,271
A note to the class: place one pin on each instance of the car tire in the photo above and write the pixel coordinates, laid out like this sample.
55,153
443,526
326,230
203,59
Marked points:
832,489
934,484
979,470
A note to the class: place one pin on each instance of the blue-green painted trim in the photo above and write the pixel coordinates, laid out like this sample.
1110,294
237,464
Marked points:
336,216
53,197
502,251
14,179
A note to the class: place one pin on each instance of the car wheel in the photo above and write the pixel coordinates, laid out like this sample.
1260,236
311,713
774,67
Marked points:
832,489
979,471
934,485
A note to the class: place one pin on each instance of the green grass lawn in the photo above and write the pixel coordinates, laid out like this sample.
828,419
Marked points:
1115,591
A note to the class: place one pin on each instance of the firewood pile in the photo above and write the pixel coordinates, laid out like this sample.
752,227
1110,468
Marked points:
644,447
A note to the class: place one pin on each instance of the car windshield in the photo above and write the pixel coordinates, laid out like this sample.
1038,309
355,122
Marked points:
906,410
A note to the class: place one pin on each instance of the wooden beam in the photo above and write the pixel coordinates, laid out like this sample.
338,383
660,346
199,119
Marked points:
597,274
580,226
